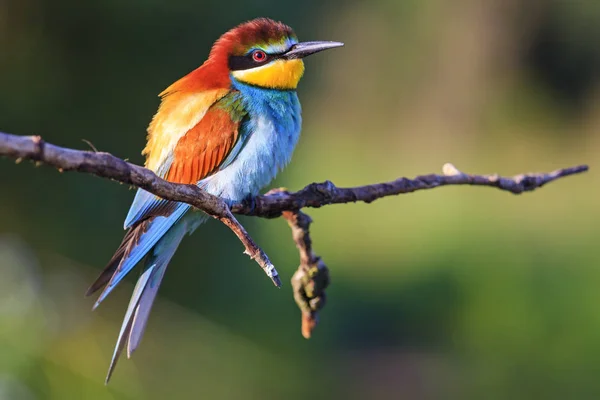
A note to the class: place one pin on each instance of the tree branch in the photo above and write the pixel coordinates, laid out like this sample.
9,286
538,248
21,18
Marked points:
320,194
108,166
276,203
312,277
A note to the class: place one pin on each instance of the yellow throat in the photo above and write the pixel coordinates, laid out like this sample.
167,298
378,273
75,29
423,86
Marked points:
279,74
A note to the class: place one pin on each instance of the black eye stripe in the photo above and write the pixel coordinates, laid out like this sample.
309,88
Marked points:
238,63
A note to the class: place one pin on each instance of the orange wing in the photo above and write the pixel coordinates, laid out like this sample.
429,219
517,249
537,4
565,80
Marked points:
197,153
201,151
178,113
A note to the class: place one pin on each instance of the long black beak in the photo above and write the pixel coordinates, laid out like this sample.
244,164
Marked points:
303,49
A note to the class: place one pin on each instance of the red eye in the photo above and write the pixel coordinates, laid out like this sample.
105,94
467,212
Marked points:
259,56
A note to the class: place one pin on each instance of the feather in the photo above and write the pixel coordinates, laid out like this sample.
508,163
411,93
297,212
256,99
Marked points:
131,239
144,295
178,113
160,258
146,205
194,157
201,151
138,247
128,321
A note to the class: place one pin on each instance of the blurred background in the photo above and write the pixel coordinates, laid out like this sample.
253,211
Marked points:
453,293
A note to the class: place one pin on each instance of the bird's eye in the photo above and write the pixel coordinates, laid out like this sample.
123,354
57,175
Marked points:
259,56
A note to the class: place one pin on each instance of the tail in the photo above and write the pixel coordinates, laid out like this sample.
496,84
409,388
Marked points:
159,237
144,294
135,245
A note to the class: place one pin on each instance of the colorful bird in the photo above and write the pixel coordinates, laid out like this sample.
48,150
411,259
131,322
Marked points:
229,126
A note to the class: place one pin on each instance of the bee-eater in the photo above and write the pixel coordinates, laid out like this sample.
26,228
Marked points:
229,126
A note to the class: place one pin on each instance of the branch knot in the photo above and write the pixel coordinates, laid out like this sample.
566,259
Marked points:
38,152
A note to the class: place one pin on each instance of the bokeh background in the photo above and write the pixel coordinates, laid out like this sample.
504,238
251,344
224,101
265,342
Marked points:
453,293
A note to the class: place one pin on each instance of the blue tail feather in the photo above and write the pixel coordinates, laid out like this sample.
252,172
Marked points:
154,232
163,252
128,321
144,294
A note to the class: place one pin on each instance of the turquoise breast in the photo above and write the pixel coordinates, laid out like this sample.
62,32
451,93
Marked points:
269,135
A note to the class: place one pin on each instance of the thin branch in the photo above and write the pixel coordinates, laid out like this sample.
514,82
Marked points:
252,249
320,194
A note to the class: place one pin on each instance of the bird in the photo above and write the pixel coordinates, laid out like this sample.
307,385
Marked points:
229,127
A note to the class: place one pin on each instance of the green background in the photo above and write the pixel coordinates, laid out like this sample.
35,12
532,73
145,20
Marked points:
459,292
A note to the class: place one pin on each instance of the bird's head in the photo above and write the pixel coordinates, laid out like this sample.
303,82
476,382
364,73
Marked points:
265,53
